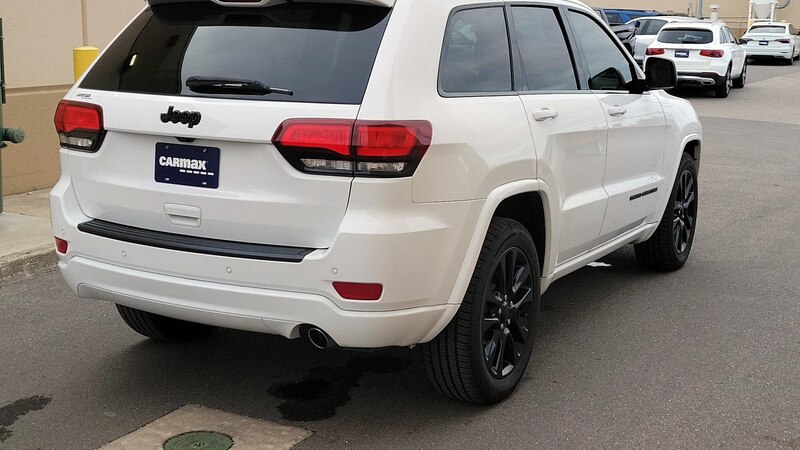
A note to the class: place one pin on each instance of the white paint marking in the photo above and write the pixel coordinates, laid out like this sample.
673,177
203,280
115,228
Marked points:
598,264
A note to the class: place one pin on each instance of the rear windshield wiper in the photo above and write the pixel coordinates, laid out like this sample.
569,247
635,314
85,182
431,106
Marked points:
213,85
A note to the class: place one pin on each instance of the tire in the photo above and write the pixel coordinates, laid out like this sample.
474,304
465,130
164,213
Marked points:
489,322
669,248
722,90
790,60
162,328
739,82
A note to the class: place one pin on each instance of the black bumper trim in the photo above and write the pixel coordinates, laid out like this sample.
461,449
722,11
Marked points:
193,244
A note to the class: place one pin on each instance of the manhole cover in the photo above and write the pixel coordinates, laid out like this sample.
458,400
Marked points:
199,440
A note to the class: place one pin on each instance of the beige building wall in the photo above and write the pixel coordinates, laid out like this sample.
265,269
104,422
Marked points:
39,38
733,12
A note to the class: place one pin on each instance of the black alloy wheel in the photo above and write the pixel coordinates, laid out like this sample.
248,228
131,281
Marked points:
685,211
507,313
742,80
481,356
669,247
723,89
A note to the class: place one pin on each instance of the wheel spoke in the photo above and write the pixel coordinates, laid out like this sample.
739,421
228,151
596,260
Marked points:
491,346
500,277
500,357
689,201
522,276
489,323
511,269
527,297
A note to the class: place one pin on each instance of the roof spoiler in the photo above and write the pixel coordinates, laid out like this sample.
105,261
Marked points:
258,3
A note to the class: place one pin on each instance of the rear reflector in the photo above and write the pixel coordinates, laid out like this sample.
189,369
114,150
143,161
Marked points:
359,291
79,125
62,246
712,53
354,148
654,51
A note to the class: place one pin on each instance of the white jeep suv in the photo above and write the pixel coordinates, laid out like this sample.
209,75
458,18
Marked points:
386,173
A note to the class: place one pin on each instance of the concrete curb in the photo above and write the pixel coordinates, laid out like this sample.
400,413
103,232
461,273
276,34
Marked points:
21,265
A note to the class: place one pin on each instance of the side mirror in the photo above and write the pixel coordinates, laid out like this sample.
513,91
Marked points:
660,73
637,24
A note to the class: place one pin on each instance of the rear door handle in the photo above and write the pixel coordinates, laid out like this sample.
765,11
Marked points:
617,111
544,114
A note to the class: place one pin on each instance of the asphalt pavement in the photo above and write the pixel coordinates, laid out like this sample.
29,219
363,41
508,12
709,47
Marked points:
705,357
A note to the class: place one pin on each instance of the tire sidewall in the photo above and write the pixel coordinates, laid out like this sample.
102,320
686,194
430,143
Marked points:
494,389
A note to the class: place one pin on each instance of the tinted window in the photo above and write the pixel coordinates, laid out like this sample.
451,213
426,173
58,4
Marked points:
324,53
546,59
653,27
769,29
686,36
609,69
614,18
477,55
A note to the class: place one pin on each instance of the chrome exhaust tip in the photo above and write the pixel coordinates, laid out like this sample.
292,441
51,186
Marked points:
319,338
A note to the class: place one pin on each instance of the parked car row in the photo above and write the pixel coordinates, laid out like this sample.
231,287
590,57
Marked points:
705,53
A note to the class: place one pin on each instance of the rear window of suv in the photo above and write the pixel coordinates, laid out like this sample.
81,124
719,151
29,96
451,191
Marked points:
323,53
686,36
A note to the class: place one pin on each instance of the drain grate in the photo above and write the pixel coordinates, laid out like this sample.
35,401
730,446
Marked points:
199,440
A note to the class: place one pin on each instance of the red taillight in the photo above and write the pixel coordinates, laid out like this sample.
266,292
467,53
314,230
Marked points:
783,41
359,291
390,140
655,51
326,135
79,125
62,246
712,53
348,147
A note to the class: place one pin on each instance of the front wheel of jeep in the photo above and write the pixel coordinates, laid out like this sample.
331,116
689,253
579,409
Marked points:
482,354
669,248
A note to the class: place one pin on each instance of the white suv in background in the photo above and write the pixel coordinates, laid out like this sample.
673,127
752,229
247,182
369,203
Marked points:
705,54
647,29
388,173
772,40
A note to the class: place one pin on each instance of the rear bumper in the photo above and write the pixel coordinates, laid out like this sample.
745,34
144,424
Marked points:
416,251
258,310
700,78
771,51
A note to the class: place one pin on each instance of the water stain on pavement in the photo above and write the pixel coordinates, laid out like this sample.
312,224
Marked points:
326,389
12,412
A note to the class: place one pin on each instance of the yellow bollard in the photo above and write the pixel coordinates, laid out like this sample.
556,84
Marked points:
82,58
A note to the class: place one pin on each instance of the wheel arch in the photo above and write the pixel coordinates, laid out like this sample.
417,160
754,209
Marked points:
527,201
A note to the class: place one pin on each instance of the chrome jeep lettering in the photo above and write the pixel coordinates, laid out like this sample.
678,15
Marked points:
175,116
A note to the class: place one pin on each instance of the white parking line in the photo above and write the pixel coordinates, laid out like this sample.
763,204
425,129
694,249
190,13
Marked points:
247,433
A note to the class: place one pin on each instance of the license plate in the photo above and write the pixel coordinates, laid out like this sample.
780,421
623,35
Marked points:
681,53
187,165
763,42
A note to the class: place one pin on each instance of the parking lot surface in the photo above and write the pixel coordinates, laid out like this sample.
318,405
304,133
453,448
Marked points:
708,356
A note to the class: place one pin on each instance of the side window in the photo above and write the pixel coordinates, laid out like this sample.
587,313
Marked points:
546,58
614,18
653,27
728,36
642,25
609,69
792,30
476,56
